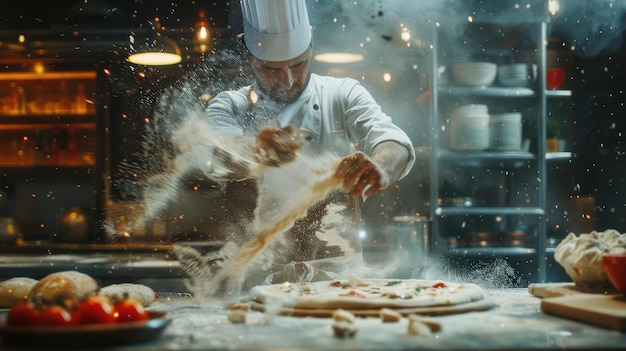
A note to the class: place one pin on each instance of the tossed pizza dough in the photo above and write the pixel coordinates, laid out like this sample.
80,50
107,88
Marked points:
138,292
63,288
368,294
15,290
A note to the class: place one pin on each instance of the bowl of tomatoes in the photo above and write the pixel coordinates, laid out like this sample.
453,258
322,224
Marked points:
94,321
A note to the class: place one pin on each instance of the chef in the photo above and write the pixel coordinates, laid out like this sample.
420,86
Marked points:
289,111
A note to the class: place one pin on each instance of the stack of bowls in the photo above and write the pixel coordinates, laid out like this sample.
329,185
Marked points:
474,74
505,131
469,128
520,75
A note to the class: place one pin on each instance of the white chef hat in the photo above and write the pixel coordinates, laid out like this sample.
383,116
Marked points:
276,30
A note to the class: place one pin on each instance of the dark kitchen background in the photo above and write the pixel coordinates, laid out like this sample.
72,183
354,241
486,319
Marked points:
85,144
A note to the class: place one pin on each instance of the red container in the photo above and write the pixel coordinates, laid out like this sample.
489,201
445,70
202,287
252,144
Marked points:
555,77
614,266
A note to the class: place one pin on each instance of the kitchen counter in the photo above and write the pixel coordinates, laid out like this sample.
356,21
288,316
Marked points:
516,322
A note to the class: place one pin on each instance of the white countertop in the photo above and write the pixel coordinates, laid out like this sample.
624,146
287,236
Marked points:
515,322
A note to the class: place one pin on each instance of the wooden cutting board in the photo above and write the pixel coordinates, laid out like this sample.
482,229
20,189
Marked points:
600,306
564,289
604,310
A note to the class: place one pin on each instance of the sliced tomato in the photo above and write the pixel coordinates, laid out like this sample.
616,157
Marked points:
440,285
55,315
95,310
23,313
129,310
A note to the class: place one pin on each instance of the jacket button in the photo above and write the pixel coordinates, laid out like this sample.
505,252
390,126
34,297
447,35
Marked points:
316,107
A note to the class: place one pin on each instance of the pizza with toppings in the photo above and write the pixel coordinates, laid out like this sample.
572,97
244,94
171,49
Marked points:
367,294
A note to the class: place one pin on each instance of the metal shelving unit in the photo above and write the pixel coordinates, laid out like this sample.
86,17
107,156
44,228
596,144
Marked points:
536,97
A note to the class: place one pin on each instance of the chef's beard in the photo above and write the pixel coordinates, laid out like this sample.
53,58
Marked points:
286,96
282,94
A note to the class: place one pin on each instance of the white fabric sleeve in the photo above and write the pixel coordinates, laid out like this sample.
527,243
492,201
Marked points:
366,120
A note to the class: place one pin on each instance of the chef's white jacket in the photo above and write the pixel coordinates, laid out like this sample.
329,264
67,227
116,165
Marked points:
340,117
339,113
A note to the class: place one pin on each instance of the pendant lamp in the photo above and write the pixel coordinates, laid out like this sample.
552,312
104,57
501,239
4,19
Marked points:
154,49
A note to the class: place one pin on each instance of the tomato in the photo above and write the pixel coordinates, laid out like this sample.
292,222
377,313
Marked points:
440,285
55,315
23,313
95,310
129,310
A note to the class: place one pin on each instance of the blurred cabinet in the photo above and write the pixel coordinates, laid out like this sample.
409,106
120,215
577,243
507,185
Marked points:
49,140
490,202
47,118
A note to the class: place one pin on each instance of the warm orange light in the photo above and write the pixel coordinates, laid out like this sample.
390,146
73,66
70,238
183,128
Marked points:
202,40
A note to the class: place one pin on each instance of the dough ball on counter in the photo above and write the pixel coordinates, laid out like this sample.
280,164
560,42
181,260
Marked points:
65,288
15,290
138,292
388,315
343,324
581,256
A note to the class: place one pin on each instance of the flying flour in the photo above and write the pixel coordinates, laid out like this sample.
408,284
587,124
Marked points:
284,195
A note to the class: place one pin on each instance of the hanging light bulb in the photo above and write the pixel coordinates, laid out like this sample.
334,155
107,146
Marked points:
155,49
553,7
203,36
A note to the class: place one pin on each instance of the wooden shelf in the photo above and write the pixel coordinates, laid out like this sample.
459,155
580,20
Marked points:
86,121
47,75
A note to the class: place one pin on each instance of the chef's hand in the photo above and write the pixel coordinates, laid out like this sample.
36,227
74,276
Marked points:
277,146
359,173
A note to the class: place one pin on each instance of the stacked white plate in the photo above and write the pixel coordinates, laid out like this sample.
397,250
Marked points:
469,128
505,131
517,75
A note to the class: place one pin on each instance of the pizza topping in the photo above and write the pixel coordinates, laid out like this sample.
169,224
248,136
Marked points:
393,282
286,287
336,283
305,287
401,292
440,285
344,283
354,293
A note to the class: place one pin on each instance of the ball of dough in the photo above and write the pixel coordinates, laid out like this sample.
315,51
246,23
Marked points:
581,256
15,290
141,293
63,288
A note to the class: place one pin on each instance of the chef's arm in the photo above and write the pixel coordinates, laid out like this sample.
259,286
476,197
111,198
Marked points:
365,175
392,158
245,156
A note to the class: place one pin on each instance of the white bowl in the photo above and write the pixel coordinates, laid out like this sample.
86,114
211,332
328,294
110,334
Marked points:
474,73
472,109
